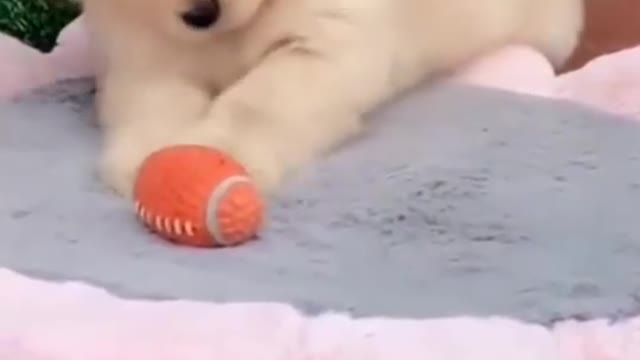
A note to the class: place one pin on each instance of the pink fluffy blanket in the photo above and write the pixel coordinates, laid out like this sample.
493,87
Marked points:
42,320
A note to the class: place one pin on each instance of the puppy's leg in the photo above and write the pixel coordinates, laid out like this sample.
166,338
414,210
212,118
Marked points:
140,116
291,108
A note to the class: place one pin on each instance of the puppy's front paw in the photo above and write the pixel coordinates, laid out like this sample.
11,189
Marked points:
265,170
255,154
119,168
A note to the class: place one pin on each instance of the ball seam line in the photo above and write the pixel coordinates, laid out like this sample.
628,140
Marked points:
211,215
167,225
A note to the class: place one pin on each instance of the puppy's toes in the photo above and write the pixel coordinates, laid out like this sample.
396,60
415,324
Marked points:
119,168
253,152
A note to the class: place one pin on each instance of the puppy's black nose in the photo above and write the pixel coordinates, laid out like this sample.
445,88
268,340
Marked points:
202,15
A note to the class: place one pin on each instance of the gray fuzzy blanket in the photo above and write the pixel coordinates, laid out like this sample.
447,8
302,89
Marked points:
457,201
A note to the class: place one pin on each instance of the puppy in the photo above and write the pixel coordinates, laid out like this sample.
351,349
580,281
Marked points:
277,83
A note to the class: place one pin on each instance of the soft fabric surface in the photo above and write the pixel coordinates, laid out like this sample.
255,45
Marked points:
458,202
609,82
23,68
41,321
529,205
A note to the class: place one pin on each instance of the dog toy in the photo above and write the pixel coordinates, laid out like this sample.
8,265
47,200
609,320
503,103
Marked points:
197,196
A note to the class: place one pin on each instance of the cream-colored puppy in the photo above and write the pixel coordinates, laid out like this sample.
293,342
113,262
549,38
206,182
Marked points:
277,83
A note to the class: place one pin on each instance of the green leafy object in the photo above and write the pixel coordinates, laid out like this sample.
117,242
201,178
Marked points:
36,22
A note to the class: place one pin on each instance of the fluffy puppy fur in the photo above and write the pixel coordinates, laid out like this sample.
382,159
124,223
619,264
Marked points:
277,83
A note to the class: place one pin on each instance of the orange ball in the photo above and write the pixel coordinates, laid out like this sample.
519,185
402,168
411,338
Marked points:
197,196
